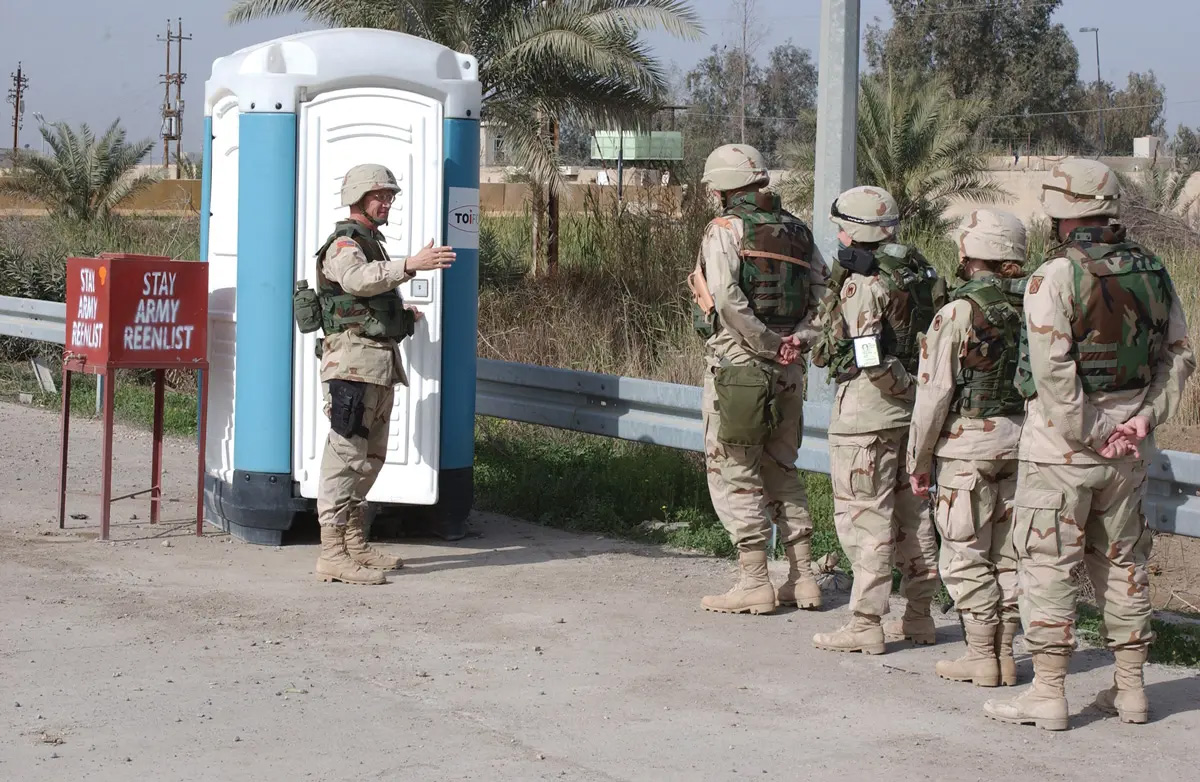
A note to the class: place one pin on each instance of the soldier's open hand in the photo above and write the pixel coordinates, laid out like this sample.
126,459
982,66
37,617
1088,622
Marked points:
430,258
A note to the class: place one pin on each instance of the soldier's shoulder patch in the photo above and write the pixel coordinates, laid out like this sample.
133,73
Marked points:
937,322
849,290
1035,282
345,244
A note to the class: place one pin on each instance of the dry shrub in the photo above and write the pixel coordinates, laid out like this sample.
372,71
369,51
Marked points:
618,302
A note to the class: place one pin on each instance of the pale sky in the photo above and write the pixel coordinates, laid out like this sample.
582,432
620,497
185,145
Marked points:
91,62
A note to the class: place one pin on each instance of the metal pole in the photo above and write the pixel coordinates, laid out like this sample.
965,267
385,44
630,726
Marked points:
837,134
1099,92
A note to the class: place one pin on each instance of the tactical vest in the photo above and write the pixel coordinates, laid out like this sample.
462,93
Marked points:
915,293
1118,331
775,253
984,385
382,316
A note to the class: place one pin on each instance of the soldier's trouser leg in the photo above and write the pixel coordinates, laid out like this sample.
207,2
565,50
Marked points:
738,487
349,466
864,469
377,419
916,548
787,499
1064,514
974,517
750,486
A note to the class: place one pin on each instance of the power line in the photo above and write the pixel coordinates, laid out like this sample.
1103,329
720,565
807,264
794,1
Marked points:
990,116
17,99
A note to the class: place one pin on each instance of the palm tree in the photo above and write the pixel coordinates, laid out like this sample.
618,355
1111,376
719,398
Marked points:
83,178
187,167
541,62
916,141
1155,201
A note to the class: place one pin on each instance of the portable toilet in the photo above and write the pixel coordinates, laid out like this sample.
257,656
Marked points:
284,121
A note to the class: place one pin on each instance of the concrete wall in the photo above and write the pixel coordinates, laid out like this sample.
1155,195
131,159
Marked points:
1022,182
167,198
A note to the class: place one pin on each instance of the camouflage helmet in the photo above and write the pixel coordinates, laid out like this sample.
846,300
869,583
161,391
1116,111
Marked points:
364,178
1079,187
867,214
734,166
991,235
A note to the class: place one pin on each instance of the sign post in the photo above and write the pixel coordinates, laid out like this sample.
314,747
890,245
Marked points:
134,312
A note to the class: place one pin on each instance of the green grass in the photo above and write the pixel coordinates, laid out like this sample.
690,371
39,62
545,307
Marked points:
587,483
133,403
1176,644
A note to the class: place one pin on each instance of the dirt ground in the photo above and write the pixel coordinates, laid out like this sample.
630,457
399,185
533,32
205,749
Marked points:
520,653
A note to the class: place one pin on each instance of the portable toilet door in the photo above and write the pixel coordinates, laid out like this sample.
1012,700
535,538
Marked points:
403,131
287,119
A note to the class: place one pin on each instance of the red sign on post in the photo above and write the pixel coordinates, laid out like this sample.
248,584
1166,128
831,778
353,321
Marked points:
137,311
134,312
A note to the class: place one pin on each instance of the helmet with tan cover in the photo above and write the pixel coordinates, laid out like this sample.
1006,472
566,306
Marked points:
866,214
364,178
1078,187
992,235
734,166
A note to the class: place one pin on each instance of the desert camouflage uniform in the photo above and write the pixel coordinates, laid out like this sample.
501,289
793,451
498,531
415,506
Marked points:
878,517
350,465
976,472
1072,504
751,486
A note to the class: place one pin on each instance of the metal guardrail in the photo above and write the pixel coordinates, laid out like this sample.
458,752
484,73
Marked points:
653,412
44,321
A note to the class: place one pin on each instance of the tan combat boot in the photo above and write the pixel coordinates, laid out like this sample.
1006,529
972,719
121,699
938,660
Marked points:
862,633
1127,697
1006,631
979,664
1045,702
916,624
800,589
361,551
335,564
752,593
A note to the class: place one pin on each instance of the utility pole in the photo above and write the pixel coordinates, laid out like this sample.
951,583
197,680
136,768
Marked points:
1099,92
172,110
16,96
745,65
749,38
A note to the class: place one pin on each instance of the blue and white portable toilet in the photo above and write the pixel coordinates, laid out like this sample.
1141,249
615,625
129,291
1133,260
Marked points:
284,120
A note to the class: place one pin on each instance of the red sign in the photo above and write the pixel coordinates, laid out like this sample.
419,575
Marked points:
140,311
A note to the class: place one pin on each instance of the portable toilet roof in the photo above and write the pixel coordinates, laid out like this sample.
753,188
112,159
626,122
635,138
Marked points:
276,75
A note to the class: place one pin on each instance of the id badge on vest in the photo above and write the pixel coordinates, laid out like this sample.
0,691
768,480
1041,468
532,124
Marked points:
866,352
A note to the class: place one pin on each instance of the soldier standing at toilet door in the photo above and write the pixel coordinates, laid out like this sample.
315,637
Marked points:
363,318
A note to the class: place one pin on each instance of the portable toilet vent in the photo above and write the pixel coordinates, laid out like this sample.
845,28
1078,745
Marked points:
284,121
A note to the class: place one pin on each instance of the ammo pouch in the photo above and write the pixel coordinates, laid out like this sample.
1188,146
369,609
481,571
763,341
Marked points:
306,308
347,406
746,406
